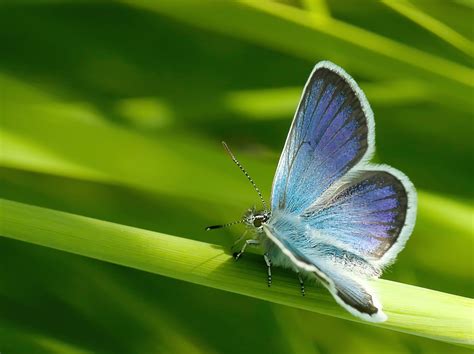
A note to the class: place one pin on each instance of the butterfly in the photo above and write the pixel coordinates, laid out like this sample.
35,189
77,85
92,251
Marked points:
334,215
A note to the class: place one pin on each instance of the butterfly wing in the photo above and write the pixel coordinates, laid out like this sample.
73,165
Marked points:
332,212
332,132
356,228
323,175
370,213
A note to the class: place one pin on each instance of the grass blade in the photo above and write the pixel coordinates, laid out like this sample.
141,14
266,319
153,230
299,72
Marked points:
411,309
410,11
296,31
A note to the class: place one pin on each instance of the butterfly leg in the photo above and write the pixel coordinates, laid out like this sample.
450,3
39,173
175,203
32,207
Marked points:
239,239
269,268
247,243
301,282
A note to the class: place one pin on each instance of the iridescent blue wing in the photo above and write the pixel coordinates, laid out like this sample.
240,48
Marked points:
324,178
350,233
332,212
331,133
370,213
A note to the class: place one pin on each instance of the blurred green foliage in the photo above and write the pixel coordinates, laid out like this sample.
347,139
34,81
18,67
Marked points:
116,110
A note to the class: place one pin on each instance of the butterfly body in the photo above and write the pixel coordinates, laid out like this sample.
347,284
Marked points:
334,216
274,253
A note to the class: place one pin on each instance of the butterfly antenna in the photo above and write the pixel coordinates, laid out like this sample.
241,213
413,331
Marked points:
246,175
213,227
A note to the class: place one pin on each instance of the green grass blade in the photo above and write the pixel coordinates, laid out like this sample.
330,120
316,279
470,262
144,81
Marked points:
317,7
296,31
413,310
438,28
370,41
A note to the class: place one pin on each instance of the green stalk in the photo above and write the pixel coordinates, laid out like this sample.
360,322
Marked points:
410,309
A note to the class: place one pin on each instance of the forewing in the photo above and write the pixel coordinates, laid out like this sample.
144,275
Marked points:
369,213
333,131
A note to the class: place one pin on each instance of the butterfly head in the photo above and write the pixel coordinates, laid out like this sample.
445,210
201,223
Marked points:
256,219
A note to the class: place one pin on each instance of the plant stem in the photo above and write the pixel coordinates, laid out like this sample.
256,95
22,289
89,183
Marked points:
410,309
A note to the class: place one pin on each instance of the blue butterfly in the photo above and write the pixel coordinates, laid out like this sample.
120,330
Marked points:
333,215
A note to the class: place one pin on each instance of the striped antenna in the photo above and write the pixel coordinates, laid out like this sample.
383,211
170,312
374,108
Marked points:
213,227
246,175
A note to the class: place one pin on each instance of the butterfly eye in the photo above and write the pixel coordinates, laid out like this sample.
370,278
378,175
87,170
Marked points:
257,222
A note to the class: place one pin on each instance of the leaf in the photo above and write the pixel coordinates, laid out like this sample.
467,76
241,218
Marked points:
410,309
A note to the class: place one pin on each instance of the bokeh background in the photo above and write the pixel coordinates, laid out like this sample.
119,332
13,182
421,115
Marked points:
116,111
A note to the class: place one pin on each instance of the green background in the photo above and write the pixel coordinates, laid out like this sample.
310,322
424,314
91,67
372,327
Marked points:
116,111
